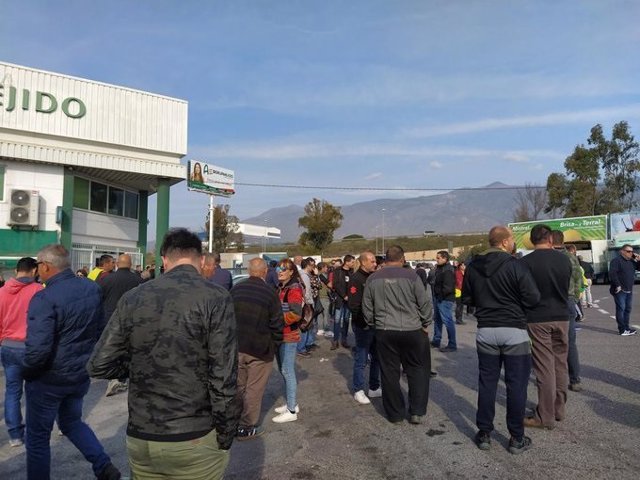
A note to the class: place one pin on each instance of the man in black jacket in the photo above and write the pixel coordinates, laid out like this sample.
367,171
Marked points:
340,280
501,288
114,286
260,325
622,274
175,338
444,296
365,335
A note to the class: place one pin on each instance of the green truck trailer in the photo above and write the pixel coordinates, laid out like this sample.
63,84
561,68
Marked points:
597,238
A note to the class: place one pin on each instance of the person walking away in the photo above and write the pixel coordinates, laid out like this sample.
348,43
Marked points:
444,298
260,324
15,296
587,298
622,274
291,297
501,288
364,334
114,286
63,325
396,304
548,327
326,327
458,293
175,339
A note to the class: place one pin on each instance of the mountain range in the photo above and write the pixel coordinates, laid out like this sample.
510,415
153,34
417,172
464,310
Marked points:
457,211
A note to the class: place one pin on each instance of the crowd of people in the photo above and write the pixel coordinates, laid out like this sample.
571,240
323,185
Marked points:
196,352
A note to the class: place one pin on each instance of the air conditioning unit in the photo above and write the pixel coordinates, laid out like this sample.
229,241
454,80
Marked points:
24,208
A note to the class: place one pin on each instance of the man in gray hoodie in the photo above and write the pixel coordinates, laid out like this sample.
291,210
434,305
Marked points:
396,303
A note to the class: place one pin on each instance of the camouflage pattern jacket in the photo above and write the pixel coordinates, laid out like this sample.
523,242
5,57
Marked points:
175,339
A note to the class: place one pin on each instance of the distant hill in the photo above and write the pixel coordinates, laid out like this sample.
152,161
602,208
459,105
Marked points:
455,212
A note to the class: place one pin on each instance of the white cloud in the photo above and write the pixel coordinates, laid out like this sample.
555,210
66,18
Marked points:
516,157
548,119
436,164
373,176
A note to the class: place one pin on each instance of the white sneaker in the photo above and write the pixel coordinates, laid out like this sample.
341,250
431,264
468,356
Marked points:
320,333
285,417
284,409
627,333
16,442
375,393
328,334
361,398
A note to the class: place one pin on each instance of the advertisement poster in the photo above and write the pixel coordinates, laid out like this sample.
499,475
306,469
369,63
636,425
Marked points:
210,179
575,229
625,228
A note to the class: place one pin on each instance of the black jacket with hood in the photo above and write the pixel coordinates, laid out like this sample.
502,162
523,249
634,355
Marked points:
444,283
500,288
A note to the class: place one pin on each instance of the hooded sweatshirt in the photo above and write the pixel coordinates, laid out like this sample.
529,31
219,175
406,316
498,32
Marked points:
14,303
500,288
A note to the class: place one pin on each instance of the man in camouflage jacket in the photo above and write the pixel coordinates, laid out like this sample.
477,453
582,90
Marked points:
175,339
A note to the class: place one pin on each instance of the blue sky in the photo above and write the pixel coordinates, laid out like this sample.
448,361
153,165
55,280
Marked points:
414,94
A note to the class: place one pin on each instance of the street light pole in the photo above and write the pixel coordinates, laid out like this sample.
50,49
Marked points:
383,250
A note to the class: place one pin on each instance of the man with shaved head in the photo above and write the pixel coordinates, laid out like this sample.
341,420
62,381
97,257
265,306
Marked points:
114,286
501,288
260,325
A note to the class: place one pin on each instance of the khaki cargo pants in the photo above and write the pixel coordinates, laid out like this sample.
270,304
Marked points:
198,459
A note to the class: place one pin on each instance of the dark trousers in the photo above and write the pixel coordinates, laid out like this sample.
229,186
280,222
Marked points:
573,359
44,403
410,350
498,347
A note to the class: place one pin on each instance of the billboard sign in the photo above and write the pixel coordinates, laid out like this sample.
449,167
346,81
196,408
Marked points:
210,179
576,229
625,228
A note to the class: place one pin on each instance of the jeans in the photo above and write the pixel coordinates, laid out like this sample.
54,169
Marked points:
287,366
365,345
341,324
12,359
301,346
44,403
623,309
573,359
443,314
326,323
497,347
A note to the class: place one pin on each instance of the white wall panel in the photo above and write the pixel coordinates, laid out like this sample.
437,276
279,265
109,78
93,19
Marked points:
97,228
47,179
115,115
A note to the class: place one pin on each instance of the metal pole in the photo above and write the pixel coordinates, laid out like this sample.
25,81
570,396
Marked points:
211,220
383,232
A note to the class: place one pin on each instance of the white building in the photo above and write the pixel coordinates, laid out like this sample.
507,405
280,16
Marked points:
78,161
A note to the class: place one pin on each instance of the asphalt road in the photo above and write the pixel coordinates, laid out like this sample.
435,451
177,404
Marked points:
337,438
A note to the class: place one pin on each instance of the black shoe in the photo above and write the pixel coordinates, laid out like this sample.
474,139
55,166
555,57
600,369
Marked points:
416,419
304,354
483,440
110,472
435,345
448,349
460,322
249,433
433,374
517,447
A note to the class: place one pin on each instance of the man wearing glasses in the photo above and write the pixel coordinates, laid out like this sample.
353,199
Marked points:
622,273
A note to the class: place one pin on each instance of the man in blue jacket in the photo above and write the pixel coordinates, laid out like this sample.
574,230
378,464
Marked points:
63,326
622,274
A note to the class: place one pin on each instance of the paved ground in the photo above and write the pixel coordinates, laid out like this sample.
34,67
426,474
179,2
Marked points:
338,438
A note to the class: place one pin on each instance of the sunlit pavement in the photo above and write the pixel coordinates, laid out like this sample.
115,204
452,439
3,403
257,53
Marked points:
335,437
